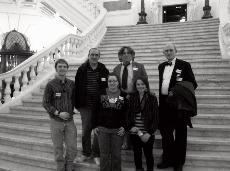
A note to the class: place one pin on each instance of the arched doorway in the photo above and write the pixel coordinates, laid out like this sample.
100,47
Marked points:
15,49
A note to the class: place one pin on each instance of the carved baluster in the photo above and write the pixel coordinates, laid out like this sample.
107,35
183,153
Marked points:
74,46
16,86
66,48
32,74
7,90
46,64
62,52
24,80
40,66
1,92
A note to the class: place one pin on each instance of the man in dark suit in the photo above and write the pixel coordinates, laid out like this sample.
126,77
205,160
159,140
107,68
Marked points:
128,70
173,124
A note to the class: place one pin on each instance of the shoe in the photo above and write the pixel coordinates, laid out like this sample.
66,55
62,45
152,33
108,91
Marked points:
97,160
178,168
164,165
81,158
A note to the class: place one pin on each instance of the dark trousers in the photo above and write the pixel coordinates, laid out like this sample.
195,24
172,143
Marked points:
147,147
86,118
173,129
174,143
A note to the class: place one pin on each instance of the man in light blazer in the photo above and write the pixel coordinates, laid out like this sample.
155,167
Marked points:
171,121
128,70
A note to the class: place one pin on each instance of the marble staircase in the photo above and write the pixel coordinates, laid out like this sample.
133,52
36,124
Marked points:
25,143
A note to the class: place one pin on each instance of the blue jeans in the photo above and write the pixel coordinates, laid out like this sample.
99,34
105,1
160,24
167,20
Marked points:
86,118
110,147
64,133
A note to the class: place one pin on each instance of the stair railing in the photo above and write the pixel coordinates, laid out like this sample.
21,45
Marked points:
37,69
224,28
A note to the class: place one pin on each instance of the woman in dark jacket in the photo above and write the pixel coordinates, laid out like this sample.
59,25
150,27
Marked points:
110,122
142,122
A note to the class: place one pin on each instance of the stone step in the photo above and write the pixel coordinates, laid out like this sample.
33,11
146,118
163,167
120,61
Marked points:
161,42
205,99
161,38
160,28
199,130
24,157
159,49
21,156
180,44
28,130
162,32
220,131
208,71
214,108
216,99
211,119
165,25
150,62
159,52
160,57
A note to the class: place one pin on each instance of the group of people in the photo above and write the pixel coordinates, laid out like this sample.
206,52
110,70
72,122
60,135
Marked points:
120,104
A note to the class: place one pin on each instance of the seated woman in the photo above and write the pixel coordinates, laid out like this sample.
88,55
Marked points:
110,123
142,122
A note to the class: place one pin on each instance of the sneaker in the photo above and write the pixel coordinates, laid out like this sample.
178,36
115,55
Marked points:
97,160
81,158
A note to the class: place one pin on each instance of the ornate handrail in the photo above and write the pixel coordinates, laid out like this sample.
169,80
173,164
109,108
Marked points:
39,67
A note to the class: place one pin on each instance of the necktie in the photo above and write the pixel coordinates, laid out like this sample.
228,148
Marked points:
169,64
124,77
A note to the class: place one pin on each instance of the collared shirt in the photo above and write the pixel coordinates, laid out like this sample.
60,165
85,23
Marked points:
130,77
167,77
59,96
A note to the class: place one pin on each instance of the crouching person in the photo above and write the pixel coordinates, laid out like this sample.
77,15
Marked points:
142,122
58,102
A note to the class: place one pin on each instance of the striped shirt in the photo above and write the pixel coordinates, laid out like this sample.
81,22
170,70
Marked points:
139,123
59,96
92,86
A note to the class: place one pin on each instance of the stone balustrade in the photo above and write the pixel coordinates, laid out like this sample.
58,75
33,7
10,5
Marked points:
224,28
29,73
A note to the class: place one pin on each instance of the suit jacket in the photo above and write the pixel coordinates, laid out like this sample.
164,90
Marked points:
138,70
180,66
182,72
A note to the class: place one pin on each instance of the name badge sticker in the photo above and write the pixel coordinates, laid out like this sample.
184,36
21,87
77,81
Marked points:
103,79
135,68
58,94
178,71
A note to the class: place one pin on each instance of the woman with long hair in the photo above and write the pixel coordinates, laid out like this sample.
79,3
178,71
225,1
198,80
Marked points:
142,122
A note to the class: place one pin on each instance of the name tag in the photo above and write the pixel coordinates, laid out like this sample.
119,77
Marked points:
103,79
135,68
58,94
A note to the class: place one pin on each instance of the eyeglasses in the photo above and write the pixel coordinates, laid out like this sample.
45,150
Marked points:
94,54
112,81
168,50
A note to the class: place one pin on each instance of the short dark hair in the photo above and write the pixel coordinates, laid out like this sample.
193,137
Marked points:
95,49
130,50
61,61
145,81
